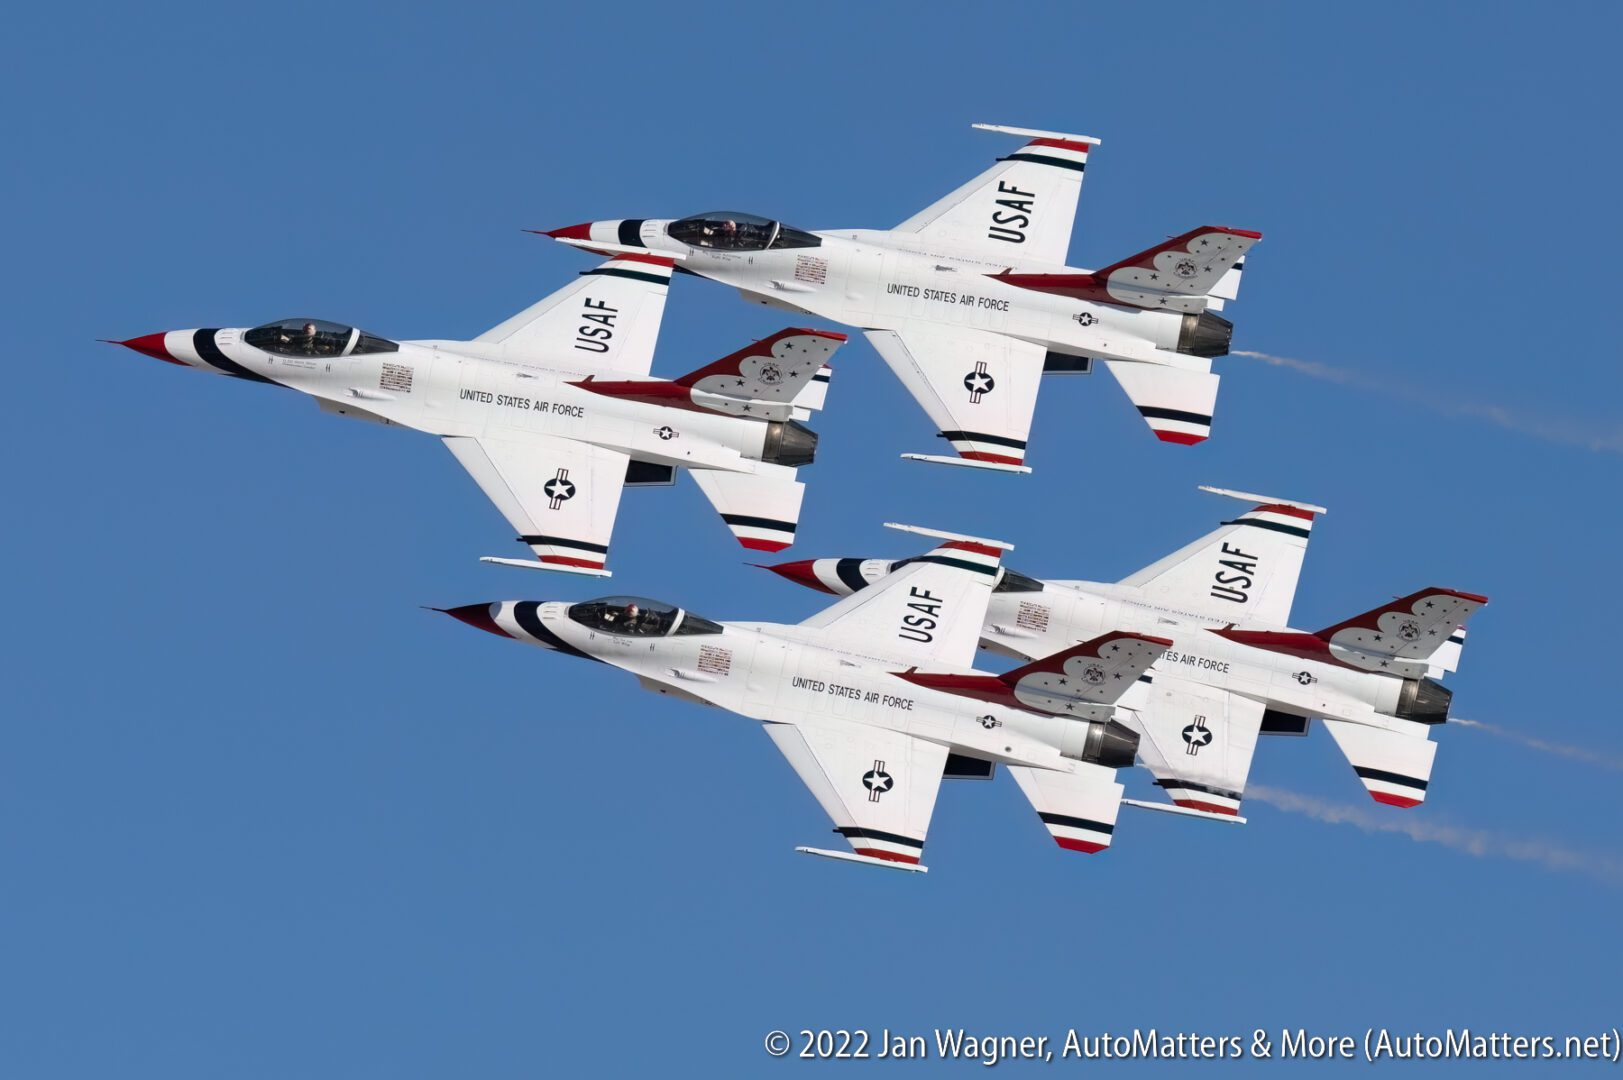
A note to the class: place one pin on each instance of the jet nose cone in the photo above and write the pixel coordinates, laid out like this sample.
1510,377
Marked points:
572,232
801,572
479,616
152,345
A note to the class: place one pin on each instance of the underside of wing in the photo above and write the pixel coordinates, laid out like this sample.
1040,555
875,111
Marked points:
561,496
1197,742
979,388
1078,808
878,786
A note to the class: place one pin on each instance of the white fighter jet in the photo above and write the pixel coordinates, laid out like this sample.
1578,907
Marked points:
970,301
873,700
553,411
1234,670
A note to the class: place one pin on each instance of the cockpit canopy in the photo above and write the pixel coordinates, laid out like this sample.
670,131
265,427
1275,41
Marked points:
636,616
728,230
315,337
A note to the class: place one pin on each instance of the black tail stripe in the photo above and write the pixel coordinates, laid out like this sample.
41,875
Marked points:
1041,160
203,342
1389,777
759,522
1276,526
1153,412
960,564
634,275
1076,822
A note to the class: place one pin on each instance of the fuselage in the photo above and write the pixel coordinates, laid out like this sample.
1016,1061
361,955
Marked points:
463,388
885,280
1028,625
783,673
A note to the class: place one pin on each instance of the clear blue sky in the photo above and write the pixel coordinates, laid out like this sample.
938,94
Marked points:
260,816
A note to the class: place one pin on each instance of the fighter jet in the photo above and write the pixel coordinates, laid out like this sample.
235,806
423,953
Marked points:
553,411
970,301
873,700
1234,669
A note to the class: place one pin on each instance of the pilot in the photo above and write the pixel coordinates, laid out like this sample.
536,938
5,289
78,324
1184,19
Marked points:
309,342
633,616
723,234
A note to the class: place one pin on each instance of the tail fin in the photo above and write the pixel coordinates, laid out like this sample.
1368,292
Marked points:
1244,571
1176,404
606,319
1405,636
761,509
1395,768
1180,274
771,378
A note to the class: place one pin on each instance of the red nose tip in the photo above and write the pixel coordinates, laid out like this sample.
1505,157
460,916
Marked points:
800,572
479,616
152,345
572,232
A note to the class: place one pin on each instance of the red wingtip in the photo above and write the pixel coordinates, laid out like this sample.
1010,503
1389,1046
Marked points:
571,232
477,616
800,572
150,345
1084,846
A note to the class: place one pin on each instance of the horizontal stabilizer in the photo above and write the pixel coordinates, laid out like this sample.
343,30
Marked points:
1165,808
1176,404
1395,768
1078,808
761,509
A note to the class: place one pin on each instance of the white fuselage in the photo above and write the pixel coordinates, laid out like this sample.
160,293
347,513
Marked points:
883,280
785,674
1029,625
459,388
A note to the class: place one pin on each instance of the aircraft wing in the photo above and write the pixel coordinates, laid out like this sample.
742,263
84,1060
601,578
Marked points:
1197,742
608,318
878,786
1020,210
979,388
927,612
559,494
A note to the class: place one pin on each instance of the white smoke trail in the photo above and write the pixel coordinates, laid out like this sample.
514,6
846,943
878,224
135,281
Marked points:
1564,432
1474,842
1566,750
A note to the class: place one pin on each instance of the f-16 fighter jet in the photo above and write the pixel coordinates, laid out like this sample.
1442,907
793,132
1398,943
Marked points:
874,701
970,301
553,412
1234,670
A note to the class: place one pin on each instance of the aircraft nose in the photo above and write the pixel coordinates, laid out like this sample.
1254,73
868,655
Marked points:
801,572
479,616
572,232
152,345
